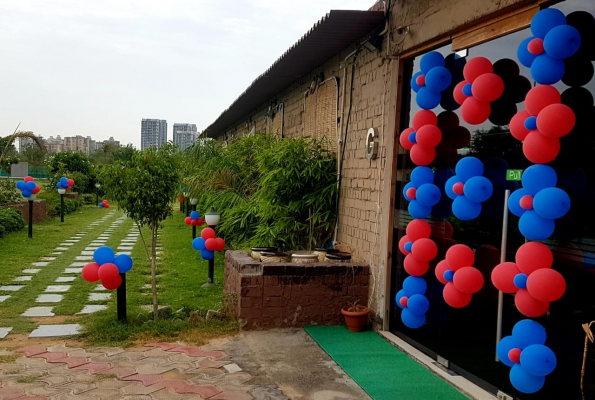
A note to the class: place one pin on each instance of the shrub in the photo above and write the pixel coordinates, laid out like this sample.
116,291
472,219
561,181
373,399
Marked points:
53,204
11,220
87,198
2,231
8,192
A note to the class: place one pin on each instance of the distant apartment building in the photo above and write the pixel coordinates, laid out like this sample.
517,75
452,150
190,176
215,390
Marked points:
98,145
153,133
54,144
184,135
25,142
77,143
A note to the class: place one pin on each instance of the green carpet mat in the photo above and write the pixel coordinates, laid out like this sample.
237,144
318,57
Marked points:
382,370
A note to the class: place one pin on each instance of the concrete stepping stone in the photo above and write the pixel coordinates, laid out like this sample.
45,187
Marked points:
39,312
49,298
25,278
99,244
3,298
47,258
57,288
84,258
73,270
231,368
31,271
91,248
11,288
78,264
91,308
4,332
55,330
87,253
128,253
99,296
72,240
100,287
41,264
56,253
62,279
66,244
61,249
125,248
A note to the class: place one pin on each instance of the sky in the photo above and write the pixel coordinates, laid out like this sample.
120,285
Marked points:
96,68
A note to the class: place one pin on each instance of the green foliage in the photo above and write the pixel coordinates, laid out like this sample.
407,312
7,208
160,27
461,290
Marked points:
2,231
72,165
8,192
88,198
110,153
32,154
11,220
53,203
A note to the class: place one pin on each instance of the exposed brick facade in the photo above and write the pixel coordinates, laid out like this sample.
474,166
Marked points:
39,210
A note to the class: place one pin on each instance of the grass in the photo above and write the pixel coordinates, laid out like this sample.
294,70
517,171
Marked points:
27,379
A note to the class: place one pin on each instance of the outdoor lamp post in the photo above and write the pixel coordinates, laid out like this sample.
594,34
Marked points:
31,199
194,202
97,186
61,191
212,219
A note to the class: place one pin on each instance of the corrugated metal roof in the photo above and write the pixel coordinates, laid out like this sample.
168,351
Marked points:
329,36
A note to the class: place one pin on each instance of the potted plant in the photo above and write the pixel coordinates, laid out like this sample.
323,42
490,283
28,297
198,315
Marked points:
356,316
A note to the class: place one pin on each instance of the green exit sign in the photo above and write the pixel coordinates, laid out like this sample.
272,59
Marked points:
514,174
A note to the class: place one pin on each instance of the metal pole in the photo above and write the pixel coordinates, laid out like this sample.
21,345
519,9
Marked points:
30,219
182,206
211,280
97,197
61,208
502,260
193,226
187,206
121,299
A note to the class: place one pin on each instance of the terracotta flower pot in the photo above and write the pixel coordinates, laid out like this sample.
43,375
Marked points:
355,320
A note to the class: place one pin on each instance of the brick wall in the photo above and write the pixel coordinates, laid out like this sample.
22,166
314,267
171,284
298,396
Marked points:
39,210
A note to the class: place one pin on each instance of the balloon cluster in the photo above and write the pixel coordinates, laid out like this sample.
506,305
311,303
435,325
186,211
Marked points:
454,137
418,248
539,202
194,219
422,138
104,204
107,268
536,285
208,244
65,183
516,88
431,81
480,88
526,353
553,41
542,124
468,188
421,193
28,187
412,301
181,199
462,280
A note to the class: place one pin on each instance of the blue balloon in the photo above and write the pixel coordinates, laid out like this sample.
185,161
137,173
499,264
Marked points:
531,123
524,382
468,90
527,332
547,70
523,54
538,177
468,167
520,281
100,204
551,203
30,186
465,209
538,360
407,187
408,246
545,20
449,275
26,193
431,60
411,320
427,99
414,86
123,262
198,244
21,185
421,175
414,285
419,211
194,215
478,189
428,195
562,42
400,294
64,181
534,227
438,79
103,255
418,304
207,254
449,185
504,346
413,137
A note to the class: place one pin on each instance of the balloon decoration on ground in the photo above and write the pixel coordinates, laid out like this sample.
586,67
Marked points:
480,88
65,183
28,187
107,267
208,244
421,193
539,202
553,41
104,204
422,138
542,124
412,301
194,219
468,188
418,248
531,278
526,353
431,81
462,280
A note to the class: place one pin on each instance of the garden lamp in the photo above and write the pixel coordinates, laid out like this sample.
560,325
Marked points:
61,192
97,186
212,217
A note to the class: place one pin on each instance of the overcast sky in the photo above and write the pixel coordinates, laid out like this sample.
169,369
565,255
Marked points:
96,68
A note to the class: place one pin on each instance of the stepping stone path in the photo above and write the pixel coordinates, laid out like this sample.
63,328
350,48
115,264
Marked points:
39,312
4,332
44,331
91,308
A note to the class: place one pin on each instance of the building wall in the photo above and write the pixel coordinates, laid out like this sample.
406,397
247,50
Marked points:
153,133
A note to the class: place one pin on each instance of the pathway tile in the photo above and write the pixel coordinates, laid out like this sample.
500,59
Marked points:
100,287
49,298
72,240
91,248
56,253
78,264
62,279
4,332
84,258
2,298
66,244
38,312
99,296
87,253
125,248
232,368
11,288
128,253
47,258
23,278
99,244
31,271
55,330
57,288
91,308
73,270
61,248
40,264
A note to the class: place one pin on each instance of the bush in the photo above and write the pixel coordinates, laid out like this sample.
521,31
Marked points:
2,231
53,204
11,220
87,198
8,192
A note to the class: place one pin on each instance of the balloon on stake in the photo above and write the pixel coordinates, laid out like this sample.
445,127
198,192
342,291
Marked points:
468,188
412,301
194,219
104,204
207,244
421,193
462,280
107,267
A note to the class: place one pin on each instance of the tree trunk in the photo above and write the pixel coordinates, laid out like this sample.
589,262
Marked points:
140,231
153,272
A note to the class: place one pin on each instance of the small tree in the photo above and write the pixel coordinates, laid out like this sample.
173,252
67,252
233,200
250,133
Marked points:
144,187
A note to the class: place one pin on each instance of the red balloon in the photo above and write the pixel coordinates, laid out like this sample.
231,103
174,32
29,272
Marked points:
422,155
533,256
68,188
220,244
107,206
468,280
526,202
529,305
404,301
517,125
404,240
454,297
108,272
540,149
36,190
423,118
200,221
404,138
194,222
421,80
411,193
459,256
424,249
475,67
28,179
488,87
112,284
417,229
503,277
181,199
546,285
210,244
188,221
475,112
514,355
70,182
207,233
535,46
556,120
441,268
90,272
459,96
540,97
428,136
415,267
